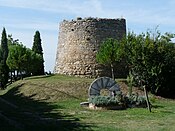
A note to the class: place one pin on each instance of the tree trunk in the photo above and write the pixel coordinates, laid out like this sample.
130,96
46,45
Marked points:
147,99
21,75
112,71
11,77
14,76
17,74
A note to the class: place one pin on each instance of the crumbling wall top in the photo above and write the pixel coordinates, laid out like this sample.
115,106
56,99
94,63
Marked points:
79,19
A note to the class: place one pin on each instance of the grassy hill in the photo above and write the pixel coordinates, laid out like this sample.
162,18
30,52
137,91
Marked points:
53,103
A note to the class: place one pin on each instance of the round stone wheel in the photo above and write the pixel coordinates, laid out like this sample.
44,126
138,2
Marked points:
103,83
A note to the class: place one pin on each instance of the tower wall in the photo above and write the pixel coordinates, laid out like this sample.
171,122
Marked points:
79,41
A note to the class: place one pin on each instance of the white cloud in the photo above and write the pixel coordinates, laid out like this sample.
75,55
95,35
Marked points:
96,8
163,14
32,25
85,7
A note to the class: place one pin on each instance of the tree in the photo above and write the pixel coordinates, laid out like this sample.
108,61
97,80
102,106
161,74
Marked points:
1,71
17,59
109,53
151,58
34,61
11,41
4,73
37,48
23,60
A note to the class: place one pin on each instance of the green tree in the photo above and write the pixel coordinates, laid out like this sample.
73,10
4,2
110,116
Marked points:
109,53
151,58
11,41
37,48
23,60
35,61
1,70
4,73
18,58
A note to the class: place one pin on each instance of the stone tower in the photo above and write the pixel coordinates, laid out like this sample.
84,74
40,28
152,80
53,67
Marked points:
79,41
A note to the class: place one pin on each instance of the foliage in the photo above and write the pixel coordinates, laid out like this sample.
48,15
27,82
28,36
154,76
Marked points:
135,101
129,101
34,61
103,101
11,41
22,59
18,58
4,70
151,58
37,48
109,53
4,46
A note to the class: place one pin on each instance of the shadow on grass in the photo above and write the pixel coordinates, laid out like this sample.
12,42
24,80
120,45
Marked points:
157,106
31,114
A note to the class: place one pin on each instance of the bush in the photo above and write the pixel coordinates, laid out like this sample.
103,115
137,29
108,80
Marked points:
127,101
103,101
135,101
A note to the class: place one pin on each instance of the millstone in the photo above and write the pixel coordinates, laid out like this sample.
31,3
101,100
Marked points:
103,83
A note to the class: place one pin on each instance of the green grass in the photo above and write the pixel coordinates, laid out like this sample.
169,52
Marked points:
53,103
161,118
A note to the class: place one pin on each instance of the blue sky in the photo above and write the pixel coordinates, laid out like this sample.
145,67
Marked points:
22,18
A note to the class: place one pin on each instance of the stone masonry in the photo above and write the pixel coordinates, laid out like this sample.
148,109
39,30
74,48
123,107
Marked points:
79,41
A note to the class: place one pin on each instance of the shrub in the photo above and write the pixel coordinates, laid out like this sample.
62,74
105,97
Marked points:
135,101
103,101
125,101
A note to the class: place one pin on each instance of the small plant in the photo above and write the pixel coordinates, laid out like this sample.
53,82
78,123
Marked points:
135,101
119,100
103,101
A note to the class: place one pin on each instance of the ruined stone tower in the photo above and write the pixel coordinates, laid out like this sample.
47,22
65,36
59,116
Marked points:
79,41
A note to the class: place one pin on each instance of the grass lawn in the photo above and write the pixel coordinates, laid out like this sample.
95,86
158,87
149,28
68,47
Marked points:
53,103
